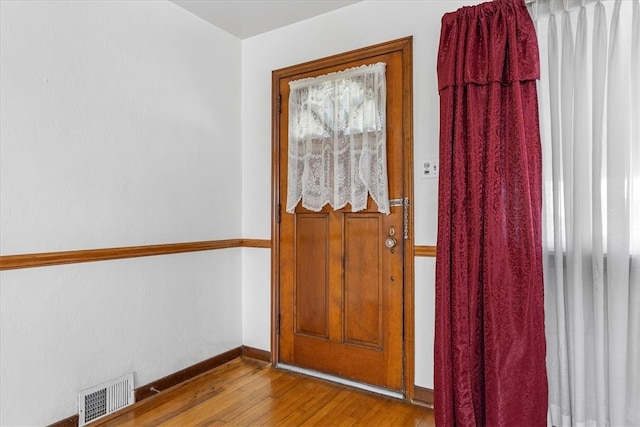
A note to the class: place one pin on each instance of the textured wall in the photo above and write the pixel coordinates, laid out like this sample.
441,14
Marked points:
359,25
70,327
120,120
120,125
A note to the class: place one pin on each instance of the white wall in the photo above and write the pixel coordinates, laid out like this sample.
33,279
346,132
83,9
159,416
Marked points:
120,126
352,27
120,121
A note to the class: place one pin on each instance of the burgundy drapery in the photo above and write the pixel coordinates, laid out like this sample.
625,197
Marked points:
489,338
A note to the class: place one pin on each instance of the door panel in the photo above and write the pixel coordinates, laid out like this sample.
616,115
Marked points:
340,290
311,281
363,279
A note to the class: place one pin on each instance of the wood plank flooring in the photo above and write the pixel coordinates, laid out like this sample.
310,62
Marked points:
247,392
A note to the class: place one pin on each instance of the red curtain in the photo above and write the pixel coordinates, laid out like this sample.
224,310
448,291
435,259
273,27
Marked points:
489,338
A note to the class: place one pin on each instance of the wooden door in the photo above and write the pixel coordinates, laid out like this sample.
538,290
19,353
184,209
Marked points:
340,289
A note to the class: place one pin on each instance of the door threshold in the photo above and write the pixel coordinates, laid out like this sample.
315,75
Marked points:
343,381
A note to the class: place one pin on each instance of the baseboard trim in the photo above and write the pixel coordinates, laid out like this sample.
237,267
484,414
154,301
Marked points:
423,396
185,374
155,387
256,353
72,421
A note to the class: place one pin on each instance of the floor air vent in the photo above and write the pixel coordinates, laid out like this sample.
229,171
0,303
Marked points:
104,399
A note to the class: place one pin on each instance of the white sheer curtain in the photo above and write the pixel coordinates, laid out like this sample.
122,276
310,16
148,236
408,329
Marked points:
337,140
590,117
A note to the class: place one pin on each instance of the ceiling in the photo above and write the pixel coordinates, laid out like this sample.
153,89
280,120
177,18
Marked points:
247,18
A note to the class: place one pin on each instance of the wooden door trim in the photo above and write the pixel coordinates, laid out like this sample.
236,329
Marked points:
405,46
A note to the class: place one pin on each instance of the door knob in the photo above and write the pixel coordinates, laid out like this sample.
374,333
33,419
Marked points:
390,242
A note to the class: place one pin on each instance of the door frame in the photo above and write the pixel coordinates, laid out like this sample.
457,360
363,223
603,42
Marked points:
405,46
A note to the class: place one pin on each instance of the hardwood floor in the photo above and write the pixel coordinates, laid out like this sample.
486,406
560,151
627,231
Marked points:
247,392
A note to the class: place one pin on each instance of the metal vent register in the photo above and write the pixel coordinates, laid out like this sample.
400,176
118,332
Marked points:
104,399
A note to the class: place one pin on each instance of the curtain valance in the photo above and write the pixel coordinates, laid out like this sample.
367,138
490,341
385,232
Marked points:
487,43
337,140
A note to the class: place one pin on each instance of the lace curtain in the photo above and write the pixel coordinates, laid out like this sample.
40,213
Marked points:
337,140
